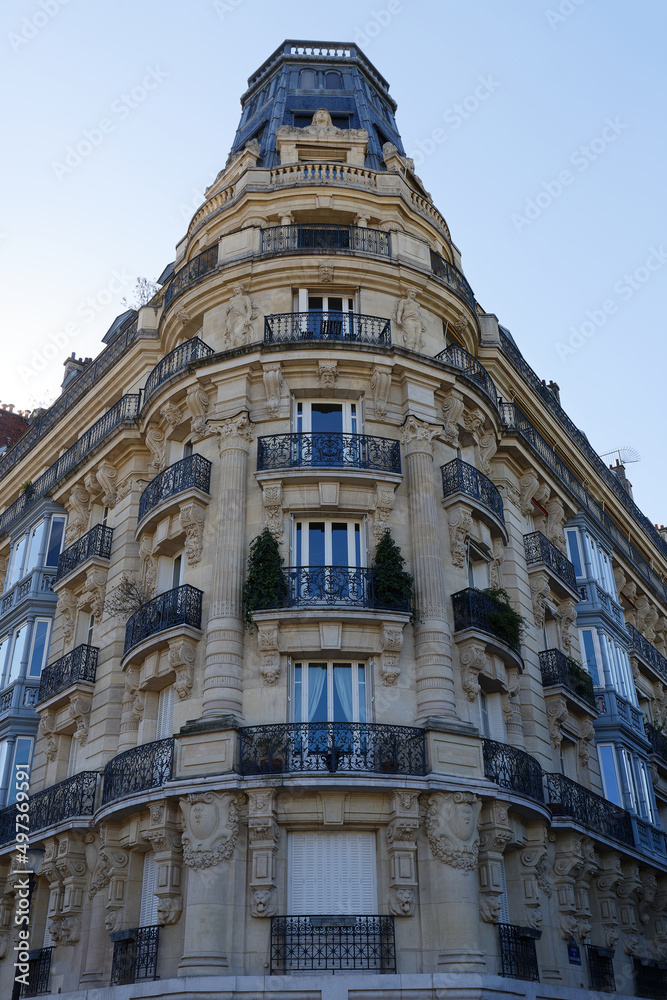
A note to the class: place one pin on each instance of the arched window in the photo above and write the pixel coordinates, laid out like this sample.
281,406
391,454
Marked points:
308,79
332,81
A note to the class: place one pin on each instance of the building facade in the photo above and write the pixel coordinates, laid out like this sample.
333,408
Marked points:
319,788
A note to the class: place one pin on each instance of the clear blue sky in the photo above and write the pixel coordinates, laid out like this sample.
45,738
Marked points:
569,115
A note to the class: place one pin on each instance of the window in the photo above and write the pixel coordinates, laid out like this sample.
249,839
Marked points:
89,634
332,873
610,778
148,908
308,79
320,416
333,81
73,759
18,558
177,572
575,555
165,713
478,568
330,692
36,547
105,516
492,722
22,756
55,541
40,646
187,449
588,646
18,651
4,647
568,758
328,543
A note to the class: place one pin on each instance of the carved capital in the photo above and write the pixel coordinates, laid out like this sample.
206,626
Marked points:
451,828
234,434
417,436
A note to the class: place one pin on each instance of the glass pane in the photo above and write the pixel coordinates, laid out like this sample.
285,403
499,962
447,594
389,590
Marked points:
299,544
610,780
335,304
589,652
333,81
317,692
38,648
22,755
16,570
342,692
17,652
55,541
339,556
36,545
573,546
315,302
361,679
316,543
327,417
298,692
308,79
4,646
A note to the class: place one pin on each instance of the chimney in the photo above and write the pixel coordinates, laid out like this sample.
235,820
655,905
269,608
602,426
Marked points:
619,471
663,531
555,390
73,367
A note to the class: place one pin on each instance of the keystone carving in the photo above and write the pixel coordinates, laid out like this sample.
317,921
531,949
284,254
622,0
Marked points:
451,828
211,828
327,374
197,404
272,376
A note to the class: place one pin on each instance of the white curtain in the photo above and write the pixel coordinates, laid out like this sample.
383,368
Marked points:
316,679
343,687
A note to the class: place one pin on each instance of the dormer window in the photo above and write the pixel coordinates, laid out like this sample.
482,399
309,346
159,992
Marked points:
308,79
333,81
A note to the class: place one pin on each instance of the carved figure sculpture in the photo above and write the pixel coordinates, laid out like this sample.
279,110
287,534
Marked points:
239,317
408,316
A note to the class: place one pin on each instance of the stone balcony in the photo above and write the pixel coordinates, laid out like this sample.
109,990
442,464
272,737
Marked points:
543,555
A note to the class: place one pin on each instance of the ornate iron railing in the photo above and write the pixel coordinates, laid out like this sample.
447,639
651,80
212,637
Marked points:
181,606
475,609
8,824
74,796
126,409
571,800
333,586
648,837
80,664
469,366
658,741
96,542
318,449
459,477
538,548
146,766
345,327
39,969
331,747
135,955
601,969
518,957
610,703
76,389
453,278
323,237
195,269
190,473
647,651
173,363
557,669
650,978
514,769
332,944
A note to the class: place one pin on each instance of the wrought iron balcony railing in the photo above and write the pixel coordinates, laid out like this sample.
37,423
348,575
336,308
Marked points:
345,327
332,747
181,606
475,609
601,969
195,269
538,549
650,978
332,586
332,944
571,800
518,956
96,542
8,824
556,668
647,651
74,796
146,766
39,969
328,449
173,363
80,664
469,366
453,278
514,769
135,955
618,710
658,740
323,237
190,473
459,477
37,584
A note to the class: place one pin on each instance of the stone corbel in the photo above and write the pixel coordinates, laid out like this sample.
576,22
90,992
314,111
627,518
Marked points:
192,517
94,591
380,386
568,620
47,727
79,507
272,376
110,873
473,660
586,742
181,657
272,498
608,879
172,415
106,477
459,522
267,641
66,610
528,487
163,834
132,710
452,414
401,837
383,508
568,864
555,521
628,894
79,713
391,644
197,405
263,836
532,858
557,714
70,862
495,835
539,596
156,444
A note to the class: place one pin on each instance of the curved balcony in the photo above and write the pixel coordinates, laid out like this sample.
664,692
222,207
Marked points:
324,238
452,277
195,269
72,797
469,366
647,651
571,800
181,606
95,543
332,747
658,740
332,944
328,449
9,825
475,609
541,552
193,472
458,477
173,363
319,587
147,766
80,664
557,669
341,327
513,769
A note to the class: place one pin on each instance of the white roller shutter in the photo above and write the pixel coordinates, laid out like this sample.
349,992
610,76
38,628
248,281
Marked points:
165,713
332,873
148,909
504,904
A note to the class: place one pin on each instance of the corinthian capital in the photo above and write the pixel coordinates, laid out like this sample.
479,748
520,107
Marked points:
234,434
417,435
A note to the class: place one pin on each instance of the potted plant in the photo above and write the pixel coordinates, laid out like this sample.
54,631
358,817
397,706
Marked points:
265,584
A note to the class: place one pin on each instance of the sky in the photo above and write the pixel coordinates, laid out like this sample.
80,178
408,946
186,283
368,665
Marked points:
538,126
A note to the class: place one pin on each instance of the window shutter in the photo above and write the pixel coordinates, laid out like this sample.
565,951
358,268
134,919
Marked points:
332,873
496,718
165,713
504,905
73,755
148,908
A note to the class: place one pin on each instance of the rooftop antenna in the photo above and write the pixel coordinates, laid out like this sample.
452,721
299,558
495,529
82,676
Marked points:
624,455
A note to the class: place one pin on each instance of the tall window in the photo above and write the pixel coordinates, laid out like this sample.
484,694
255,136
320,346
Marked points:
332,873
165,713
36,547
333,81
148,906
318,415
22,756
40,646
328,543
17,561
17,653
55,540
330,692
308,79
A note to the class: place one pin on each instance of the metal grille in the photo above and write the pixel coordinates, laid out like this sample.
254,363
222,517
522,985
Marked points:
286,239
348,327
146,766
512,768
135,956
459,358
328,449
647,650
39,968
650,979
459,477
173,363
453,278
601,969
332,944
658,741
556,669
567,798
518,957
332,747
180,606
538,548
96,542
475,609
74,796
334,586
191,472
80,664
200,265
8,824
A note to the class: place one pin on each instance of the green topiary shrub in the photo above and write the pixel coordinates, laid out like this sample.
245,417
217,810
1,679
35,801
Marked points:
265,585
507,623
392,585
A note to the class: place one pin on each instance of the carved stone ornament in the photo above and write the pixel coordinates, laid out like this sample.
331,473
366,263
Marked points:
267,641
272,377
94,591
239,317
79,713
380,386
234,434
586,742
272,498
417,435
486,448
496,564
321,126
452,413
211,828
66,609
459,522
264,900
149,563
325,273
555,521
568,613
383,509
391,644
47,726
79,505
401,901
172,416
408,317
557,714
197,404
539,595
473,421
192,517
327,374
473,660
181,656
169,909
528,486
106,477
155,442
451,828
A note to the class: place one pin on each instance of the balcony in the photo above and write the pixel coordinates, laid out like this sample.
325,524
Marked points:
460,478
34,586
475,609
72,797
518,957
541,552
332,944
96,543
193,472
323,238
18,696
135,955
658,740
469,366
647,651
146,766
332,748
79,665
193,271
615,710
572,801
452,277
39,969
11,822
181,606
328,449
601,969
341,327
557,669
650,978
513,769
173,363
321,587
